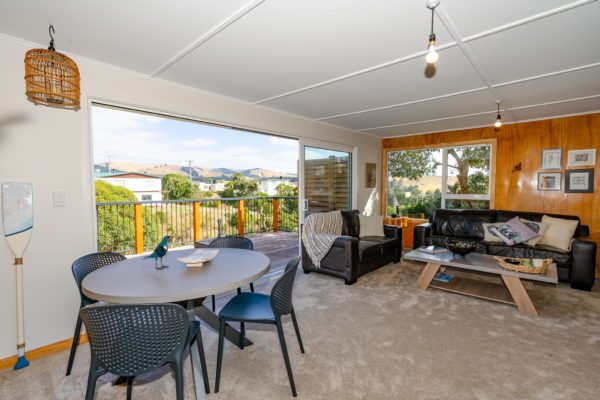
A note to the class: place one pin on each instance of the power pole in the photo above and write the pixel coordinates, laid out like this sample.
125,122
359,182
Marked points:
108,165
190,169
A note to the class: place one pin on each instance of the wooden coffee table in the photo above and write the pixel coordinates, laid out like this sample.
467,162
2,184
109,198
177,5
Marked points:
512,291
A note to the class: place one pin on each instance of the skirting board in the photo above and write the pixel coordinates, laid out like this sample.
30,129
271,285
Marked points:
43,351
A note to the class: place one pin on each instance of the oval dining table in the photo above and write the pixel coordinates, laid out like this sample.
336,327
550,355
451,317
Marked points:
137,281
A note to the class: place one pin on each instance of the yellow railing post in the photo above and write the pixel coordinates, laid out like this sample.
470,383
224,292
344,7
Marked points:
275,215
139,228
197,233
240,220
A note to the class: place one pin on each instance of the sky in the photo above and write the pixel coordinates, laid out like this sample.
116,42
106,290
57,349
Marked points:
128,136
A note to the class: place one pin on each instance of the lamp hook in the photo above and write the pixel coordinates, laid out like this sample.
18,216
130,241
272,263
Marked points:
50,32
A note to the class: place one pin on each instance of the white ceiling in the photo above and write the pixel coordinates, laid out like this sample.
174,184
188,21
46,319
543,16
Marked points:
351,63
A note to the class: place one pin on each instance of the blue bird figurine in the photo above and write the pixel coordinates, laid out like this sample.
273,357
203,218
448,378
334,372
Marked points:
159,252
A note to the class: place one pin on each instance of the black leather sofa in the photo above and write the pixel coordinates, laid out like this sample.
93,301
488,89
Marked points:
577,266
352,257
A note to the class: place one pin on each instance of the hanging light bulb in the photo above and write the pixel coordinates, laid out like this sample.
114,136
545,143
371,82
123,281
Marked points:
432,54
498,122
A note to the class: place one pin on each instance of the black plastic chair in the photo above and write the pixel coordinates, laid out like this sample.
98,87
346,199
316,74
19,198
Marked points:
81,268
232,242
263,309
129,340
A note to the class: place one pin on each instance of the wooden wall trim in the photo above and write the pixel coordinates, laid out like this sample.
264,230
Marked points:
43,351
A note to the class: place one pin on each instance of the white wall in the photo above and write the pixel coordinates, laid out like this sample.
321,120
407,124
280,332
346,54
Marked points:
51,148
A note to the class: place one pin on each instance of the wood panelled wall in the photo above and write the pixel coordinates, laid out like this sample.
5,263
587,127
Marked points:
523,143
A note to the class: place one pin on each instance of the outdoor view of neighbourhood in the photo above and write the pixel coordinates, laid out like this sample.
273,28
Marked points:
416,180
156,175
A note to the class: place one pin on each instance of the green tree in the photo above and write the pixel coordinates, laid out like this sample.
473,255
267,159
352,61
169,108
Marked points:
286,190
116,221
411,164
106,193
178,187
471,166
239,186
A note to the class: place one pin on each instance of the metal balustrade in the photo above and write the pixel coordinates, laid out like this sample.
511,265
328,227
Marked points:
136,227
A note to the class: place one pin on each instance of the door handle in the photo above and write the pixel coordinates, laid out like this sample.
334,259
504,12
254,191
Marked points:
305,205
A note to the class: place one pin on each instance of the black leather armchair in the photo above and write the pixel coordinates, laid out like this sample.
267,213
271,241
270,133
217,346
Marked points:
577,266
351,256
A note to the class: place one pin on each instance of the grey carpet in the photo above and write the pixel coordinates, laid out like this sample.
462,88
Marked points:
380,339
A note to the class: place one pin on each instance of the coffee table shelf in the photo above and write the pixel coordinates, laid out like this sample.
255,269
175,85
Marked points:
476,288
512,289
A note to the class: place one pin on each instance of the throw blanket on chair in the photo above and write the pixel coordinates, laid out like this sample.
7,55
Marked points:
319,233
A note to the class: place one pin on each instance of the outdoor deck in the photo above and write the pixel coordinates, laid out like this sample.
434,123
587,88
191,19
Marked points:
278,246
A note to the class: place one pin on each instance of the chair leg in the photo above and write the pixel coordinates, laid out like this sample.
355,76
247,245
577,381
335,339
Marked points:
213,302
288,366
220,354
203,362
297,329
239,290
179,378
129,387
92,378
74,344
242,334
252,287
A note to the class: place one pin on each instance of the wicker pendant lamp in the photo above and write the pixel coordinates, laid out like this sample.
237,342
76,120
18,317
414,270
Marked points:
51,78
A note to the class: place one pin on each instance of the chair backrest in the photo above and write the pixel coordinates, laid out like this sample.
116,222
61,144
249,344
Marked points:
128,340
85,265
281,294
232,242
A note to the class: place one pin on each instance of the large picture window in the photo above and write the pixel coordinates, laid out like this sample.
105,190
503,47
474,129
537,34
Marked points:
420,181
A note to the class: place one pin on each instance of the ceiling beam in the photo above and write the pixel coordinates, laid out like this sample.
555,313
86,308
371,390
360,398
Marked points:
483,113
356,73
224,24
527,20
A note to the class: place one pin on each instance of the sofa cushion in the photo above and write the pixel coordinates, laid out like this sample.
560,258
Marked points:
461,223
513,231
490,236
370,225
504,215
368,250
537,227
559,232
388,244
350,226
560,257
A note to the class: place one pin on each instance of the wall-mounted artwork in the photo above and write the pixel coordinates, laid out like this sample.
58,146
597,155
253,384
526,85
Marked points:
370,175
578,158
579,181
551,158
549,181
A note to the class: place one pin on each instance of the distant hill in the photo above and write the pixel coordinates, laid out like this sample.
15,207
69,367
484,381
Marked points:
197,172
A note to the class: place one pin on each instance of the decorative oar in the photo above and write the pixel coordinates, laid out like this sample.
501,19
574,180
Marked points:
17,217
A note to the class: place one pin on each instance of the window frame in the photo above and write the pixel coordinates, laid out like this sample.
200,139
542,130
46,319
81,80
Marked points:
444,148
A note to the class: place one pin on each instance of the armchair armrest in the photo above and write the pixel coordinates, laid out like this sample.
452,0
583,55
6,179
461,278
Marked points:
583,268
421,235
393,231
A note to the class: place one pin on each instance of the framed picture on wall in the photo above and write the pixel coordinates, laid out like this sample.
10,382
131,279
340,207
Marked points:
370,175
578,158
549,180
551,158
579,181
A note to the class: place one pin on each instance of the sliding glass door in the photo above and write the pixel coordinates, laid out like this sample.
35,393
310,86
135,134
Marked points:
326,181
